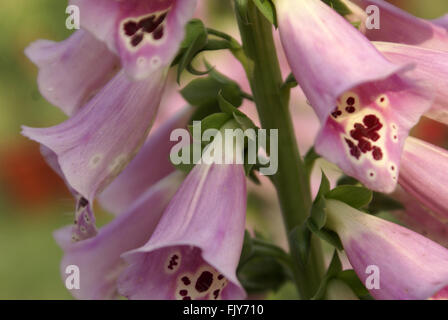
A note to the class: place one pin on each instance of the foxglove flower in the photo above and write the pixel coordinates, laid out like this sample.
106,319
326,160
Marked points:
105,134
409,265
424,175
98,258
84,225
431,65
71,72
397,25
95,145
144,34
420,219
150,165
376,104
195,249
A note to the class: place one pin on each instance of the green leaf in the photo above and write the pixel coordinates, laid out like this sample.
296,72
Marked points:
214,44
290,82
261,274
318,216
347,180
267,8
355,196
247,251
324,186
214,121
326,234
382,202
244,121
263,266
195,40
356,24
338,6
203,112
203,92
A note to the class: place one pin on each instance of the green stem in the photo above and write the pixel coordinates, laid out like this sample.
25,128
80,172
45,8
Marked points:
272,101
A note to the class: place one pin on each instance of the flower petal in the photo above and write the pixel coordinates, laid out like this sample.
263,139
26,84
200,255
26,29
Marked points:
367,141
432,66
84,226
424,175
98,258
97,143
194,252
375,104
146,34
441,21
70,71
409,266
421,219
308,27
150,165
397,25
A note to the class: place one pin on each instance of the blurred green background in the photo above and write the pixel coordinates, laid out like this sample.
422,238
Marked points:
33,201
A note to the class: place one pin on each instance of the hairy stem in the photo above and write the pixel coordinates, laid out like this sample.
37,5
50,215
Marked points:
272,101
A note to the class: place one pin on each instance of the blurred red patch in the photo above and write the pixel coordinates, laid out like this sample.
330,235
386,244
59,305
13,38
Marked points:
431,131
26,177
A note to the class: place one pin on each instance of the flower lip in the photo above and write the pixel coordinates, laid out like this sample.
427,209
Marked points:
201,280
186,223
410,265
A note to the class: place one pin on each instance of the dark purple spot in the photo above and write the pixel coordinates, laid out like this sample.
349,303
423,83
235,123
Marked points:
130,28
204,281
392,168
148,24
363,132
336,113
183,293
350,109
220,277
173,262
382,99
216,294
364,145
373,124
161,18
354,150
350,101
135,41
158,33
151,23
186,298
186,280
83,202
377,153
